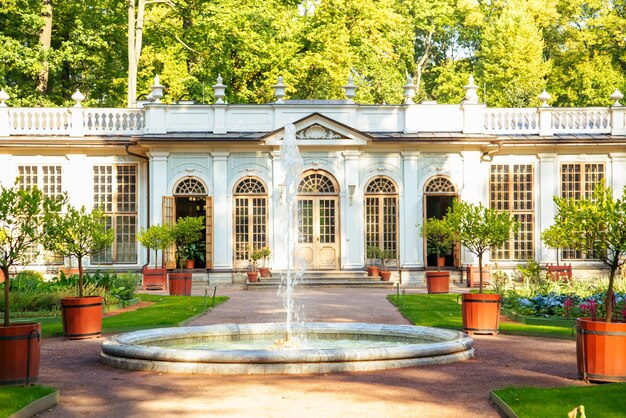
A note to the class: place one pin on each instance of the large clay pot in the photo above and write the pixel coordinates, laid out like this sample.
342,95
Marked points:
154,279
481,313
82,317
20,353
1,277
180,284
253,276
385,275
264,271
373,271
438,281
601,350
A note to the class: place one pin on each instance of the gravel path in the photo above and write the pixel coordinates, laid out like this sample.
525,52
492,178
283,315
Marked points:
89,388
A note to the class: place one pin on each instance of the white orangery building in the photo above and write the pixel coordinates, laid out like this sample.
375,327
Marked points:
372,174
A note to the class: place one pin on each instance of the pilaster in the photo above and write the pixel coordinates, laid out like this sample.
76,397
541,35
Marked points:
353,234
618,168
412,213
473,190
545,209
278,242
77,179
221,212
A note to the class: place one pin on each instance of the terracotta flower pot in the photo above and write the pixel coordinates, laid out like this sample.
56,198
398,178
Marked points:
385,275
20,353
264,271
154,279
82,317
1,277
189,264
180,284
481,313
441,262
438,281
253,276
601,350
373,271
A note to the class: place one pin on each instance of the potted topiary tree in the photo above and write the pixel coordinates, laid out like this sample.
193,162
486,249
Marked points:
253,264
265,253
21,212
439,239
185,231
385,257
597,224
479,229
194,251
555,237
373,255
156,237
79,233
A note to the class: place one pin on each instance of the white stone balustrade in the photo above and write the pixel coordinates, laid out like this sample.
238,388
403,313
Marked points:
427,117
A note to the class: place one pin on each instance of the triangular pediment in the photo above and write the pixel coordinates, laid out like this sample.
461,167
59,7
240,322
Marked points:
317,129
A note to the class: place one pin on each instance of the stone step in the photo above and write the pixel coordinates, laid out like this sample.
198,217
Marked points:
338,282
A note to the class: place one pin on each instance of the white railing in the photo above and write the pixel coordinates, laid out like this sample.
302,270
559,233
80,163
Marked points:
512,121
588,120
117,121
39,121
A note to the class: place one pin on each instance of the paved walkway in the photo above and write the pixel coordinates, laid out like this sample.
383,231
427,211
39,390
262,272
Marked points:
89,388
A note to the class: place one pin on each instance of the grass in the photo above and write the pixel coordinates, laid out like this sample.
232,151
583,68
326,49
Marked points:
167,311
14,398
443,311
605,401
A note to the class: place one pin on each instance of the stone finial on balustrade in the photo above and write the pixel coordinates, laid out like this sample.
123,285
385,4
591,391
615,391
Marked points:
409,89
4,96
157,90
544,97
616,96
78,97
350,89
219,90
279,90
471,95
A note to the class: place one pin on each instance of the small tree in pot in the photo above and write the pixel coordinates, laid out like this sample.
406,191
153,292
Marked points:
385,257
439,239
479,229
265,253
79,233
556,237
373,254
21,215
185,231
598,224
156,237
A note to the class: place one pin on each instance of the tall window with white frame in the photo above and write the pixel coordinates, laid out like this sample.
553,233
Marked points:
511,189
578,180
48,178
115,193
250,218
381,216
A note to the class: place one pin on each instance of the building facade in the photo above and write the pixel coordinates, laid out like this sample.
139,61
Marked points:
372,174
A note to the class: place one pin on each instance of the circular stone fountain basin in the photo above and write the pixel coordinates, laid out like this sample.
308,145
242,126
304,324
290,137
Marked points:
393,346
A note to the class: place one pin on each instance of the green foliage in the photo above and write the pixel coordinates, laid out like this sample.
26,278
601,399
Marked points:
195,251
373,253
479,228
265,253
185,231
77,233
156,237
555,237
14,398
596,223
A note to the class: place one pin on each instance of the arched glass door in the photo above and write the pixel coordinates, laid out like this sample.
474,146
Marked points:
318,222
381,217
250,219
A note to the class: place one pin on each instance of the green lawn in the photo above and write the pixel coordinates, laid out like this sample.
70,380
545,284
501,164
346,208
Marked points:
606,401
167,311
14,398
443,311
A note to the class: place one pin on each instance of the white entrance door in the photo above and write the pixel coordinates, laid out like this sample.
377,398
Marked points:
317,247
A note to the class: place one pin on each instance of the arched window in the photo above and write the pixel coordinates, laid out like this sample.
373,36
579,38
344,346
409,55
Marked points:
190,187
381,216
316,183
250,218
440,185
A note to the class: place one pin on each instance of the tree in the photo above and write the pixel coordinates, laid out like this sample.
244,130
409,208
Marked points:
439,237
555,237
185,231
157,237
599,224
21,213
77,233
479,228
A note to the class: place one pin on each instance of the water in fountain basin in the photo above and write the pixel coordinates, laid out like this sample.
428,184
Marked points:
292,167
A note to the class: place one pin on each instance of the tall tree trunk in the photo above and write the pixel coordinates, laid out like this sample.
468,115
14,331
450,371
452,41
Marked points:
45,39
609,293
80,277
421,63
480,273
132,60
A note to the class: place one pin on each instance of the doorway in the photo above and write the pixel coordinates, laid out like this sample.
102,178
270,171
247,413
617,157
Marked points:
439,194
192,206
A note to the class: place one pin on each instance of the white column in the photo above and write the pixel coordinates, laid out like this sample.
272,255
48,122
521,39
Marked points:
545,209
278,241
158,185
411,214
221,211
473,190
8,172
78,180
618,171
353,252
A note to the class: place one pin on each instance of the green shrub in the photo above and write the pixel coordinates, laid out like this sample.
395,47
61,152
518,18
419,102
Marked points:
123,285
26,280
